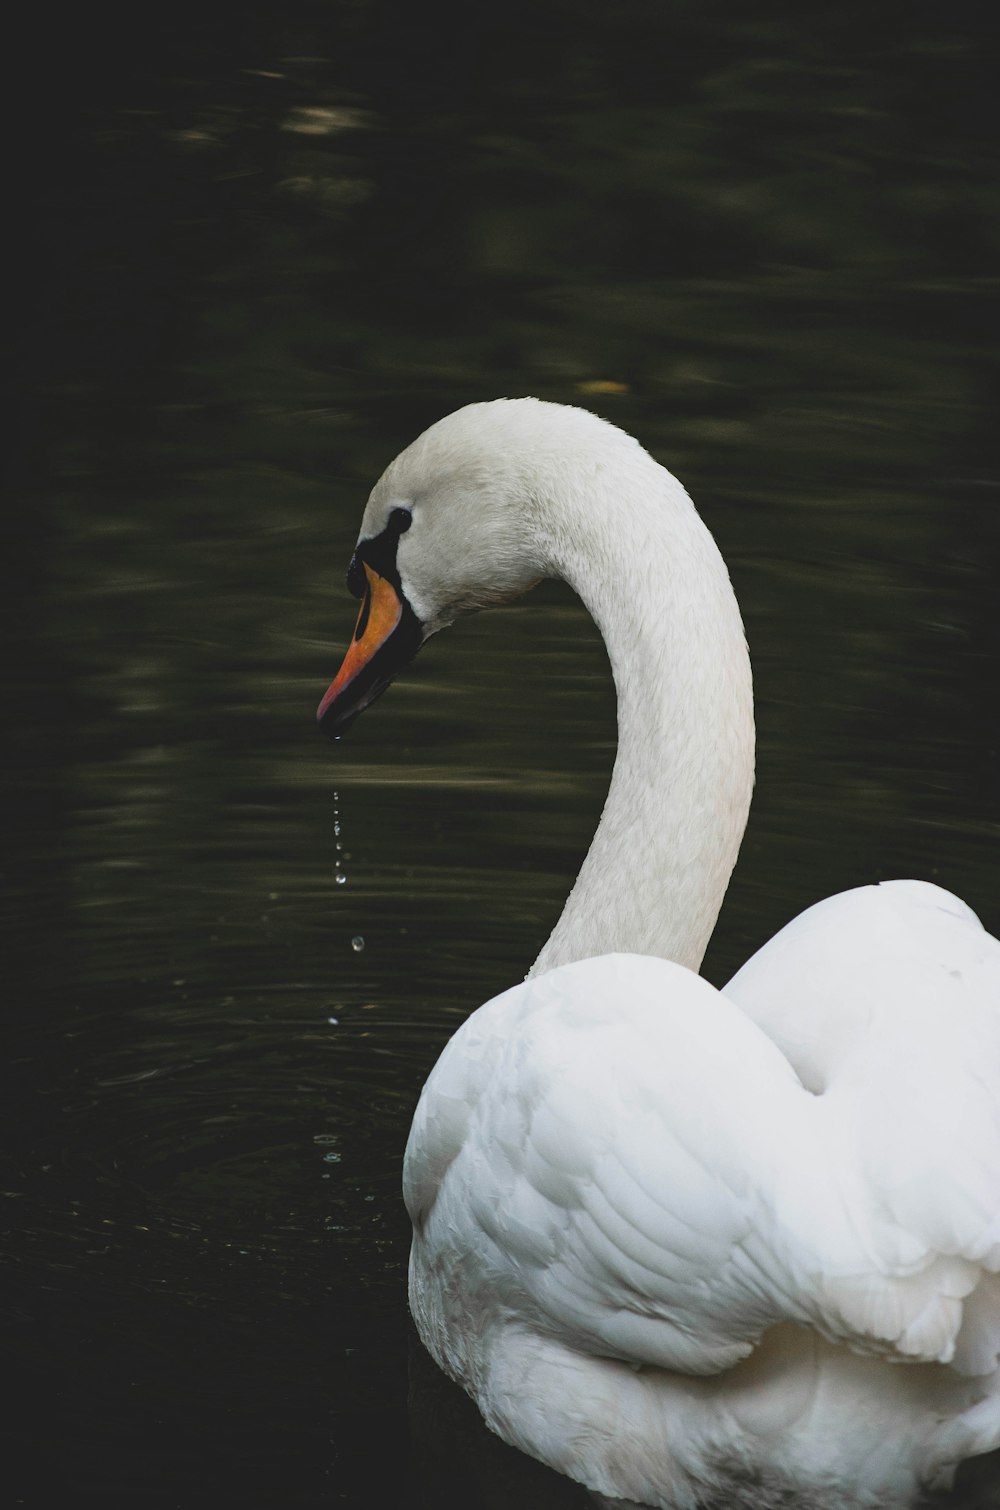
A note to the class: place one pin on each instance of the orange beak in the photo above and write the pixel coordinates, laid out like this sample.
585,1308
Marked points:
386,636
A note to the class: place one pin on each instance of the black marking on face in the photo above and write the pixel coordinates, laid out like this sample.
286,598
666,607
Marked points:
380,553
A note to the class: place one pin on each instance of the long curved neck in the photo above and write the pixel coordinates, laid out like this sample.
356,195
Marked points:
635,550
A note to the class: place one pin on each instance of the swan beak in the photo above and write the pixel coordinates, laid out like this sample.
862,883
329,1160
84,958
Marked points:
387,636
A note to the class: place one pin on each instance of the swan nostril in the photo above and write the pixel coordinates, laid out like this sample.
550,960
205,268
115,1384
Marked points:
364,615
356,583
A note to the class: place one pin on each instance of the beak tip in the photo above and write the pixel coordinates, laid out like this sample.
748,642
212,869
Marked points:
323,712
329,724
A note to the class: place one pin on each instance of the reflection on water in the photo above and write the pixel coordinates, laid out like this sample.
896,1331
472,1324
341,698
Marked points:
271,257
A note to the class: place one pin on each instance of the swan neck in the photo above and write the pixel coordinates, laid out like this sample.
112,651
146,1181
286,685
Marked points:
651,575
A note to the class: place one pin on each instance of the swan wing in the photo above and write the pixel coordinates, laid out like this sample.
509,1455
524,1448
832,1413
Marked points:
580,1137
615,1154
886,1001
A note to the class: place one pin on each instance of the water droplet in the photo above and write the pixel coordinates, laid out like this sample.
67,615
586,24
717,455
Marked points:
333,1021
338,875
331,1158
357,943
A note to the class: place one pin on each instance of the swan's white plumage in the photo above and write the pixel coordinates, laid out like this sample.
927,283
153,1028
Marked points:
887,999
675,1241
628,1167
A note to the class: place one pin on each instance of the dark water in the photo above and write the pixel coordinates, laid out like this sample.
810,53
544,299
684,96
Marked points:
263,255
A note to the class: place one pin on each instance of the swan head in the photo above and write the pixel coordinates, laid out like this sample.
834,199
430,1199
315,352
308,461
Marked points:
452,526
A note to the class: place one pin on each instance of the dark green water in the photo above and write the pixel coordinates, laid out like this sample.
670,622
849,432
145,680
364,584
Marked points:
263,255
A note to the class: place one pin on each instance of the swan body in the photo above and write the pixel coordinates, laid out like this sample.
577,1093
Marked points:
688,1247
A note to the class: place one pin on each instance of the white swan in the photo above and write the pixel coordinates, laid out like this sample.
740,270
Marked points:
688,1247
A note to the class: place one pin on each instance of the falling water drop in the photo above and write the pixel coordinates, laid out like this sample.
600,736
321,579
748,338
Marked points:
339,877
357,943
